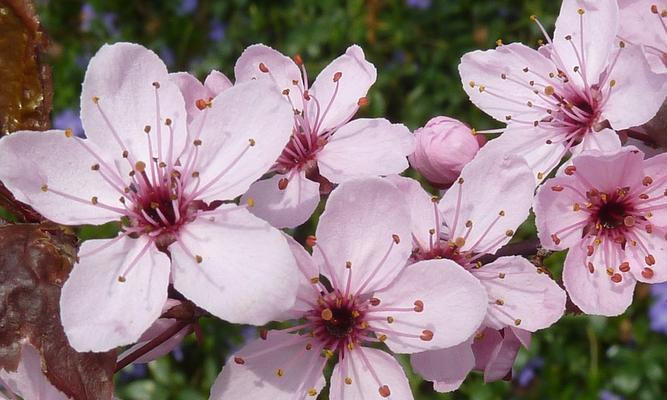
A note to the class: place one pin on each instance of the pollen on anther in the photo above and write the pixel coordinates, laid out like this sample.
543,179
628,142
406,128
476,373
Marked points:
156,85
500,302
427,335
390,319
93,200
348,380
121,278
280,372
199,259
96,99
239,360
312,392
326,314
396,238
263,67
337,76
501,275
647,273
348,264
69,133
517,322
509,233
140,166
167,121
363,101
374,301
549,90
251,142
502,213
419,306
44,188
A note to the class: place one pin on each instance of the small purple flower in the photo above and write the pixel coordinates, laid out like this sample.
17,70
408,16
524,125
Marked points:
88,14
69,119
529,371
658,315
177,352
659,291
609,395
217,32
109,21
167,55
419,4
187,7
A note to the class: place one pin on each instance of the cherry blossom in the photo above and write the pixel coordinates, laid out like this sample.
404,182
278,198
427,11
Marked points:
610,211
644,22
327,147
356,291
169,187
443,147
571,94
476,217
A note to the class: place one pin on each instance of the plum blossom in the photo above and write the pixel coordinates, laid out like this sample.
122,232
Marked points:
571,94
644,22
29,381
356,291
610,211
326,147
476,217
170,187
443,147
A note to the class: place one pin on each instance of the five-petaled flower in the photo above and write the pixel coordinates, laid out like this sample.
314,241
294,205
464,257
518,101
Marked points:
610,210
474,219
326,146
356,290
571,94
167,185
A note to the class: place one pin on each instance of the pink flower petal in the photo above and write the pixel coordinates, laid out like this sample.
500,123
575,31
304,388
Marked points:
604,140
595,293
600,26
482,75
446,368
638,93
366,147
118,101
555,213
495,197
29,381
237,267
533,145
357,76
621,168
520,295
158,327
361,224
31,160
192,90
252,373
453,303
370,371
242,134
422,209
94,299
286,208
640,26
216,82
496,352
282,70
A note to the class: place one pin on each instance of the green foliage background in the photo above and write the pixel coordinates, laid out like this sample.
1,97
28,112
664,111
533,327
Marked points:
416,52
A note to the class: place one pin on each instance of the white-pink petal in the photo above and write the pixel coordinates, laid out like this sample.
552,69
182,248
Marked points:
242,135
423,210
367,223
495,197
520,295
446,368
235,266
253,372
29,381
36,166
366,147
284,208
374,375
446,306
121,90
116,290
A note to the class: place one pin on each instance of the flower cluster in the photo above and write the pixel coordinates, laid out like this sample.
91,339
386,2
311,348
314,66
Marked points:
200,178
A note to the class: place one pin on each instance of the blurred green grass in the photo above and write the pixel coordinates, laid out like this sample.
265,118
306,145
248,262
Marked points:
416,51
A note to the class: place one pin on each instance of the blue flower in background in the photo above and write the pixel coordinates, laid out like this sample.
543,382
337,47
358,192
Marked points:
87,16
187,7
109,21
420,4
609,395
69,119
529,371
658,312
217,32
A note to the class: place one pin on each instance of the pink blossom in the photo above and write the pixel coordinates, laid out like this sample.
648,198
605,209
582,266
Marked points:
369,296
443,147
610,211
29,381
476,217
644,22
569,95
199,96
326,146
141,166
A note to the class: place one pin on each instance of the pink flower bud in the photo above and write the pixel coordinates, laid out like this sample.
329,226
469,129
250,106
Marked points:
444,147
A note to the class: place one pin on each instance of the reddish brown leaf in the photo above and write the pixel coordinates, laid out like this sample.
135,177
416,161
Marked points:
35,260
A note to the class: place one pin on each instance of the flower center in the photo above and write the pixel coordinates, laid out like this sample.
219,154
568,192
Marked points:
339,321
611,215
